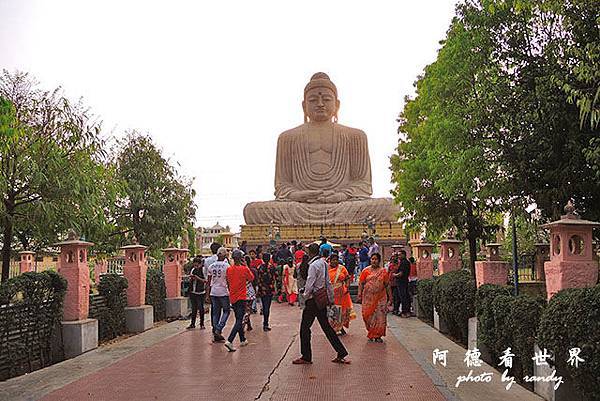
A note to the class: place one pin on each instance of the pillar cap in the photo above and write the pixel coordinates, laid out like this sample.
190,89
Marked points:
133,246
451,241
26,253
171,249
424,244
571,218
74,242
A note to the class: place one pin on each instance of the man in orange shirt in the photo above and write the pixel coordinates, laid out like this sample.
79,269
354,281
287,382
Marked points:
238,276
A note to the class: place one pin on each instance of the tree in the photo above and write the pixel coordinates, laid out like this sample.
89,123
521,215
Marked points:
157,203
52,176
443,171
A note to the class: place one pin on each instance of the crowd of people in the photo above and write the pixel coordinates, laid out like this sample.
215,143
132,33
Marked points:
316,277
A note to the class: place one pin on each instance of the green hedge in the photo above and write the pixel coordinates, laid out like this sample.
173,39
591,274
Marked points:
111,321
156,293
454,300
425,298
509,321
572,319
30,315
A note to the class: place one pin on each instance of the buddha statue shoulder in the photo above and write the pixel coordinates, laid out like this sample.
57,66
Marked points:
322,169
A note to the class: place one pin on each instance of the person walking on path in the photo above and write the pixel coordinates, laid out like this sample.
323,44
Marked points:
375,295
197,291
401,278
340,279
373,246
393,269
267,275
302,276
290,285
363,258
238,276
318,279
219,294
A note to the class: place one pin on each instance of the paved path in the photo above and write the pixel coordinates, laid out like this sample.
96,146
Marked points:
170,363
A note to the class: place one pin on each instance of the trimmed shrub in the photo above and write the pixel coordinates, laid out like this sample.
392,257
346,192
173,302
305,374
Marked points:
111,320
486,294
31,307
425,298
572,319
525,318
454,300
156,293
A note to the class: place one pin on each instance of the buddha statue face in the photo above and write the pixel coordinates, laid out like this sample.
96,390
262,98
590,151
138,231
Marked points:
320,104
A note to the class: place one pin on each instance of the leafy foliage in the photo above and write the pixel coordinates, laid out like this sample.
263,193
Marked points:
158,204
425,297
52,171
572,319
156,293
454,300
30,315
486,294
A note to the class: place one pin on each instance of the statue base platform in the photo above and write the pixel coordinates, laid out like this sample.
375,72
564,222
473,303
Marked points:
386,234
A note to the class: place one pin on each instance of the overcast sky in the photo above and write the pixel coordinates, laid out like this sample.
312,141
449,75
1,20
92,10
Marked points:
215,82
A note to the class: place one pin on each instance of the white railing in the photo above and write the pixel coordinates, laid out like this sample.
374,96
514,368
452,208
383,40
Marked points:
115,266
14,269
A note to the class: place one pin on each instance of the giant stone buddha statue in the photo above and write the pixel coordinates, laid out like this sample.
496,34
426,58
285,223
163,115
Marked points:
323,170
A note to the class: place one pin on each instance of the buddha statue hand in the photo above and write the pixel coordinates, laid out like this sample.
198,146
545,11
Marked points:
329,196
308,195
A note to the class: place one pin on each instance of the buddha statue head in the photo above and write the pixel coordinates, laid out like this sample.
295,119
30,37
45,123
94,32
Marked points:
320,102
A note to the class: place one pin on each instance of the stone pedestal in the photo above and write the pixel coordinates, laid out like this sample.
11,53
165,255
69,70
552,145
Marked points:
26,261
439,323
491,272
177,307
139,318
424,260
473,342
565,392
572,263
79,336
100,267
73,267
449,256
134,271
172,270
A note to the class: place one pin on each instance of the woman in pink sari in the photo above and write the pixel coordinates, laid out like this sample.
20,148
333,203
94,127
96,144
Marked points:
375,295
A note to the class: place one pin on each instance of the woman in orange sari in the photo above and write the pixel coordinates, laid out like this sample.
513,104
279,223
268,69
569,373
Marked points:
339,277
375,295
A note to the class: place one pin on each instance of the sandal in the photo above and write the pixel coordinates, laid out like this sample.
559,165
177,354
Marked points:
301,361
342,361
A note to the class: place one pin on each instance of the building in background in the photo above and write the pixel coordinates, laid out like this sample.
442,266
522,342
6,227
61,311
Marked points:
207,235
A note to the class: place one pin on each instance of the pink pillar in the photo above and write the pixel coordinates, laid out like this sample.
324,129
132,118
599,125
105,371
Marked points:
26,261
424,260
101,267
493,270
572,263
449,256
172,271
74,268
542,255
134,271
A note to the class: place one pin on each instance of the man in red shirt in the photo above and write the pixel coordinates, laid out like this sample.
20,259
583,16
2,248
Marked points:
238,276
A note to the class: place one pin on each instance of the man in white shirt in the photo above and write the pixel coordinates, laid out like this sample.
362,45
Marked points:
219,294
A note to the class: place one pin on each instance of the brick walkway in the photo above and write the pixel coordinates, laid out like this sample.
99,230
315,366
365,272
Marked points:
188,367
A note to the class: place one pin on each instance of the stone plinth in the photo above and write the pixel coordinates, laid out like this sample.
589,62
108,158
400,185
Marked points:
74,268
449,256
139,318
172,270
177,307
26,261
134,271
491,272
424,260
100,267
439,323
572,263
79,336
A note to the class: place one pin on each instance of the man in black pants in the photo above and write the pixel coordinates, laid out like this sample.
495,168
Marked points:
197,291
318,277
402,284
